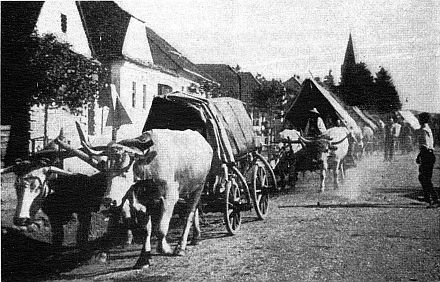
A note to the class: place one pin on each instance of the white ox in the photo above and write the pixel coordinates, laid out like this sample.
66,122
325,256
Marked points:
330,150
176,165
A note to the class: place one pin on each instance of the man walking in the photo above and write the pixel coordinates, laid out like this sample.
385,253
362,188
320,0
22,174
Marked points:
426,160
388,140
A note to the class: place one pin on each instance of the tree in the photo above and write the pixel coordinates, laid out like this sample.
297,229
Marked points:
62,77
357,85
329,81
385,93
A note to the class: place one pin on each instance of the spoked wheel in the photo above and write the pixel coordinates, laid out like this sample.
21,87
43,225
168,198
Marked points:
232,214
260,191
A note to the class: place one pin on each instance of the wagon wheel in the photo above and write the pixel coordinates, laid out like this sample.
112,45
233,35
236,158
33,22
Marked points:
232,215
260,191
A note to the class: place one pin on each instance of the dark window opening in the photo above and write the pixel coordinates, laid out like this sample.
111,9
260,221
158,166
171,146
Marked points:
163,89
144,99
63,23
133,101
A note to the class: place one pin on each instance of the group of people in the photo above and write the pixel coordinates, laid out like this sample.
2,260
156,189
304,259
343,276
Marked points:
397,135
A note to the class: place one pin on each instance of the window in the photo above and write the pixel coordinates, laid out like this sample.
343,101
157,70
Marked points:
163,89
63,23
133,97
144,99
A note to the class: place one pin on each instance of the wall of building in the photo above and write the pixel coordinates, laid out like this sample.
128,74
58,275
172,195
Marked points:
132,81
50,21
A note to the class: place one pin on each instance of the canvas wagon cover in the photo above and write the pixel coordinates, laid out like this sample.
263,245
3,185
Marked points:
410,118
313,95
237,123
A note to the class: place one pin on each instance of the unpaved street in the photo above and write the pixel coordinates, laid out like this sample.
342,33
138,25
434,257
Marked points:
374,228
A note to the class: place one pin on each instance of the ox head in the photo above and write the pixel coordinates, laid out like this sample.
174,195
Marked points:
32,188
124,164
321,148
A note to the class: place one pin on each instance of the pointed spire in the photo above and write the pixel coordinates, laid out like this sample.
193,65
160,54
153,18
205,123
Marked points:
349,53
349,59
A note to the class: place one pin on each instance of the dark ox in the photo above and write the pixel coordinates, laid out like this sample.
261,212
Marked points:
59,194
329,150
175,165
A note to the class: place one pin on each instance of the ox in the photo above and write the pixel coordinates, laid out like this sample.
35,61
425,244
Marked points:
175,163
59,194
369,140
329,150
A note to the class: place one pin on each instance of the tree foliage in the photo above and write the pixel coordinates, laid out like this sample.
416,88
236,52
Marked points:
359,88
270,95
61,76
385,93
329,81
357,85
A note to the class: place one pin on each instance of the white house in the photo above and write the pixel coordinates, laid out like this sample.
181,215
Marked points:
141,65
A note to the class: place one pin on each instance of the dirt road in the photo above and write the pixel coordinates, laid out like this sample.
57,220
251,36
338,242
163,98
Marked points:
374,228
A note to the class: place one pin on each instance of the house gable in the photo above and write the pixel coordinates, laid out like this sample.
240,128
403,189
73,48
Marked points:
136,45
64,21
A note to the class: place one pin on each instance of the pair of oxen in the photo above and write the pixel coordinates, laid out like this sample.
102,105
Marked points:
146,174
323,153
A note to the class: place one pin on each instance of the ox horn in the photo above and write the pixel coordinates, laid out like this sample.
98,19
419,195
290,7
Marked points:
83,156
57,170
7,169
304,140
86,145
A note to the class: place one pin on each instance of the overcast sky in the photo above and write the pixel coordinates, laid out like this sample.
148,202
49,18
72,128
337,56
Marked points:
281,38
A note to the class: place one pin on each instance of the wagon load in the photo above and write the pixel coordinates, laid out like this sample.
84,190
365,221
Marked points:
237,123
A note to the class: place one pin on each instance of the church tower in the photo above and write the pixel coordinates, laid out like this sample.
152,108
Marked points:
349,60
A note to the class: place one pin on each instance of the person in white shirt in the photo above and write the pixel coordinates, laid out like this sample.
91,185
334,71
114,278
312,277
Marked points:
315,125
426,160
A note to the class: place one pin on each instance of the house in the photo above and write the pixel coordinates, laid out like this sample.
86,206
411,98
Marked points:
235,84
227,77
293,86
140,65
249,85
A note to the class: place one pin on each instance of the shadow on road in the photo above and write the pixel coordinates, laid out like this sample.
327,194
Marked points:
26,259
359,205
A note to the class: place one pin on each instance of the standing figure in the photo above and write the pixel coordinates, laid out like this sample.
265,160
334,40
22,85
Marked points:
406,138
426,159
395,129
315,125
389,140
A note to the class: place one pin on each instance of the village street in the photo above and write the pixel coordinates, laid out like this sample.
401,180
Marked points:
374,228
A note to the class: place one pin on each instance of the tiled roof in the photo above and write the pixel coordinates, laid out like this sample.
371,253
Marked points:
216,71
167,56
248,78
106,25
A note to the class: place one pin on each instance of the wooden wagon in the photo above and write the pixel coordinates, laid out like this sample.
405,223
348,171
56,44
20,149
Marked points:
240,178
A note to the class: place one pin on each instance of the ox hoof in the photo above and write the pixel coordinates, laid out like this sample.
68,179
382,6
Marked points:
102,258
179,252
143,262
166,250
195,241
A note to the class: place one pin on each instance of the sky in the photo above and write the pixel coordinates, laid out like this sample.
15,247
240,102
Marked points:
282,38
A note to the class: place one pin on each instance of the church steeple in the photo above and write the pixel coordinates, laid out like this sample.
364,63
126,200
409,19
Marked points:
349,60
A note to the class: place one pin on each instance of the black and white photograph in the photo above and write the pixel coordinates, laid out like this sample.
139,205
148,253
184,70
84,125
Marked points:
221,140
